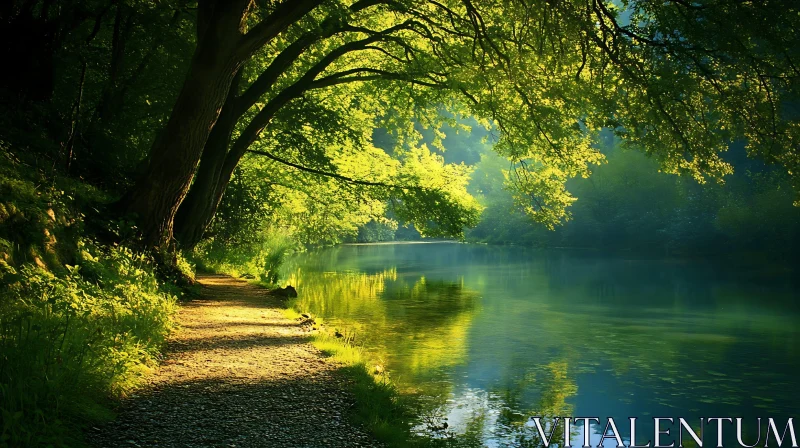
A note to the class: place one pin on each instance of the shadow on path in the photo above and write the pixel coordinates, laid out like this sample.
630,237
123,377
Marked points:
236,374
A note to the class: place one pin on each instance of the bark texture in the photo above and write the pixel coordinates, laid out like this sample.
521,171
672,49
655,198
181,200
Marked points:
200,204
174,157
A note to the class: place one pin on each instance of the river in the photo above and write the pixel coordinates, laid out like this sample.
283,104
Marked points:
488,337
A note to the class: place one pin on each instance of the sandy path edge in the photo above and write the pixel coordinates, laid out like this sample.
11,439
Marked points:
237,373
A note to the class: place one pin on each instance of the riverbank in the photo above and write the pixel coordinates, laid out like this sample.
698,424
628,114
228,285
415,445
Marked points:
238,372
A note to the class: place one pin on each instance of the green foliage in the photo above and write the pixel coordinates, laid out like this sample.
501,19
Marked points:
41,219
310,209
80,323
410,181
70,342
626,204
316,210
376,231
671,79
539,80
259,255
442,207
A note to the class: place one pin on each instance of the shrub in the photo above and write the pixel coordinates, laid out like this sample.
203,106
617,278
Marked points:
79,322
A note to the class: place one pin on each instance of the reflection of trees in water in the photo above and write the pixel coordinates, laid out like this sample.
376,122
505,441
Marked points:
425,305
553,386
431,329
419,328
637,324
415,326
503,414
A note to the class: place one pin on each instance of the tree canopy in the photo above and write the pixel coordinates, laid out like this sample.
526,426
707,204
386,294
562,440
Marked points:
299,87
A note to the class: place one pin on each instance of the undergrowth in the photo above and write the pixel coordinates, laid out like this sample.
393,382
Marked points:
80,321
258,256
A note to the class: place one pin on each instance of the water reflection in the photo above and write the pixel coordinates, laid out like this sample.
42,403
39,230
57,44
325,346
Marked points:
492,336
415,325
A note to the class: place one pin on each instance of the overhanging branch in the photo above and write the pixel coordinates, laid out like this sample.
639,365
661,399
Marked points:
365,74
338,176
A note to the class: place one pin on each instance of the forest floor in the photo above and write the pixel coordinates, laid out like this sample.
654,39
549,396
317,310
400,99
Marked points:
237,373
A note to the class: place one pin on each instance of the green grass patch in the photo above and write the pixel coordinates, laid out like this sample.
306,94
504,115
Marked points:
81,323
380,407
70,344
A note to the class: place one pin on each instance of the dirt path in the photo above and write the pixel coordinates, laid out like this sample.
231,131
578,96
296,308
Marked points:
237,374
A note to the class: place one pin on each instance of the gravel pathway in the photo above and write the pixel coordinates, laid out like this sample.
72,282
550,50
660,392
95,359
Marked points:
237,373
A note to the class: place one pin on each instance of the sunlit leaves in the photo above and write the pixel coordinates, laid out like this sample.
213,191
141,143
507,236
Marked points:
442,206
540,192
678,81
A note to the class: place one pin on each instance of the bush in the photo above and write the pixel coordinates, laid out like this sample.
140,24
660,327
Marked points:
70,342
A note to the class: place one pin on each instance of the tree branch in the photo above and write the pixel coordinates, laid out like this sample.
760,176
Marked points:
354,75
338,176
329,27
285,14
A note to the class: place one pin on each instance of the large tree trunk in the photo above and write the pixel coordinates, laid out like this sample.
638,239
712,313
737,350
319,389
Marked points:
200,204
212,179
216,170
207,196
174,157
218,163
199,208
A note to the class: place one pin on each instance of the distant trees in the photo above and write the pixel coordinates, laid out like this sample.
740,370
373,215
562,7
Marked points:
627,206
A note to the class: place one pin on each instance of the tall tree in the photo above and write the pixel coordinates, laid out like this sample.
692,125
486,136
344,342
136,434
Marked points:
224,43
221,154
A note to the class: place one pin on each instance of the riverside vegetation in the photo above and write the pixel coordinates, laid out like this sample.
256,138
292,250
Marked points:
139,139
80,321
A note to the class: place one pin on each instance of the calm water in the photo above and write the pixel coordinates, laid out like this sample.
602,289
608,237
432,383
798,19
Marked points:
490,336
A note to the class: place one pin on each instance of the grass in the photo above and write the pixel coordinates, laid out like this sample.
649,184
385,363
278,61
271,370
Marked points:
80,322
380,408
